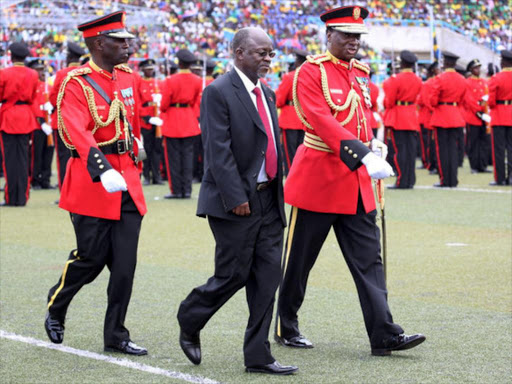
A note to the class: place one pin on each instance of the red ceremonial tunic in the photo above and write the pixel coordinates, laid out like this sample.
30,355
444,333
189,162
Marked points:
330,182
59,78
288,119
39,101
181,96
425,112
374,94
400,101
386,118
82,191
476,88
147,87
500,90
448,87
18,84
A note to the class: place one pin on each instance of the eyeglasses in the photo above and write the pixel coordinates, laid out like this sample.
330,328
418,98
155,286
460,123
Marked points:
262,54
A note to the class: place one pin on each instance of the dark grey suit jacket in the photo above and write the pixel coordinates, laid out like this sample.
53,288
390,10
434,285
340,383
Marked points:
235,142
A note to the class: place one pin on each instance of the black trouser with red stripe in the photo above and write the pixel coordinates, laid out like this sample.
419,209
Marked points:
461,146
359,239
501,145
424,139
153,147
292,138
15,150
179,153
404,145
100,243
447,155
478,154
42,156
63,155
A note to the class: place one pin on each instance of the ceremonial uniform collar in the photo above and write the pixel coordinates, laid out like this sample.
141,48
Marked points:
406,70
335,60
74,64
184,71
507,69
450,70
18,64
95,67
474,77
149,78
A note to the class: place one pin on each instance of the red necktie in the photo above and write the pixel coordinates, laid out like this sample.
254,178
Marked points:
270,155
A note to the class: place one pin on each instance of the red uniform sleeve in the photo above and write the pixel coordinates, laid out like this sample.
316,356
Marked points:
283,90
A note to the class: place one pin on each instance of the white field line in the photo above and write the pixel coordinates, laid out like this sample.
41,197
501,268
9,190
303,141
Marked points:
464,189
109,359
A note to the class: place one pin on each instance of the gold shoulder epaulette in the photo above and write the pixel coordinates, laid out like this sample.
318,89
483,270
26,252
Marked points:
362,66
317,59
123,67
79,72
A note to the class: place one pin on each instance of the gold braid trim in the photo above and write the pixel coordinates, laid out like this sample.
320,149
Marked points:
362,66
116,108
124,67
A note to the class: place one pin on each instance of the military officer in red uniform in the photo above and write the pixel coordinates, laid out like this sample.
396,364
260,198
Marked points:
330,186
42,140
500,101
424,116
99,124
477,95
181,94
150,98
292,132
446,96
63,154
400,101
18,91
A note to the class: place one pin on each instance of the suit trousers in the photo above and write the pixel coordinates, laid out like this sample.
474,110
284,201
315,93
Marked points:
100,243
63,155
42,156
292,138
501,145
447,155
359,239
15,154
179,153
247,254
405,148
153,147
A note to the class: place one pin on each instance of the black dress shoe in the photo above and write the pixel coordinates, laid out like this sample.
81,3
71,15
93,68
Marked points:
497,184
146,182
158,182
294,342
191,346
274,369
398,343
439,185
127,347
433,172
54,329
173,196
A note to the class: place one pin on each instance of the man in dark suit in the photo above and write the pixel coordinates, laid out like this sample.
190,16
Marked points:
242,196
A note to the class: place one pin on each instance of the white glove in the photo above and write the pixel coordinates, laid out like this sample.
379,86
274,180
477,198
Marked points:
156,121
379,148
377,117
377,168
157,98
485,98
47,129
485,117
48,107
113,181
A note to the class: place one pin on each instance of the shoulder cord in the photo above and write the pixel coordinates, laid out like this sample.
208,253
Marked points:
353,100
116,109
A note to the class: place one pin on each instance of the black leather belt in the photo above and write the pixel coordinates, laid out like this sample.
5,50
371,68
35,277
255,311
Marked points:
443,103
265,185
147,104
504,102
405,102
118,147
179,105
290,102
17,102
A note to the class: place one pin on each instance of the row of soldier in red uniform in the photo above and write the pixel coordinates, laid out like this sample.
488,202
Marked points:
168,109
438,110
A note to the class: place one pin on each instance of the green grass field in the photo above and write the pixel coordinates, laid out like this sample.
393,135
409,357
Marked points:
449,277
